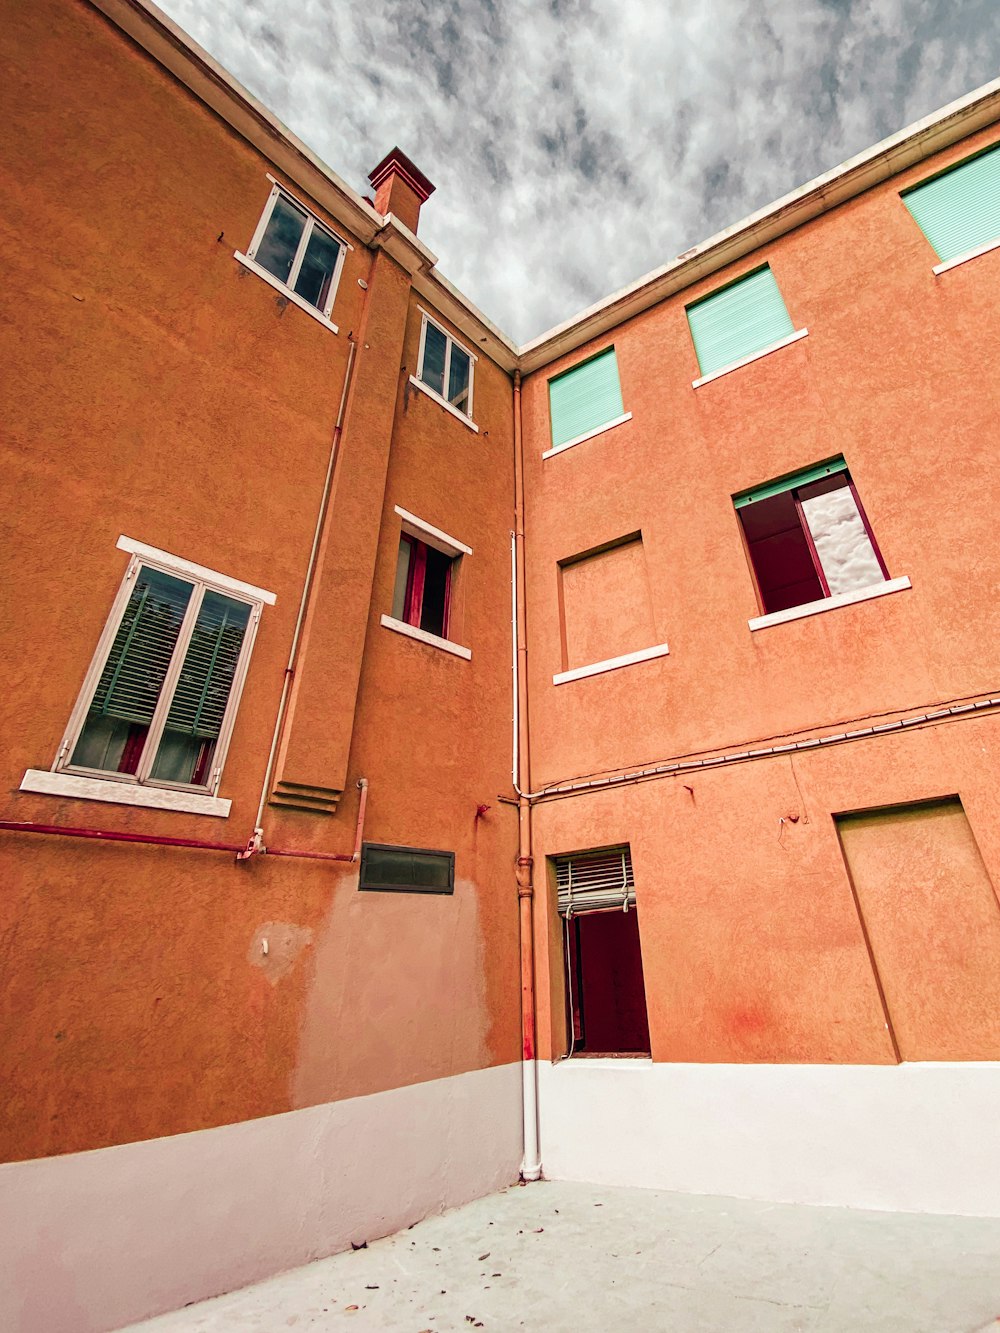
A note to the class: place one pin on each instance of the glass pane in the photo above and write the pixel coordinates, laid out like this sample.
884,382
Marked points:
401,868
434,611
202,692
842,543
316,273
458,380
432,370
276,251
402,576
129,688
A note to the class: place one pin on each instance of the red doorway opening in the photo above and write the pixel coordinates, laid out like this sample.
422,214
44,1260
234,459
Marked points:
606,992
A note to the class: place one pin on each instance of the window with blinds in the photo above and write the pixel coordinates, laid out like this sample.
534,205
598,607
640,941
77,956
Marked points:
586,399
742,319
595,881
163,702
959,211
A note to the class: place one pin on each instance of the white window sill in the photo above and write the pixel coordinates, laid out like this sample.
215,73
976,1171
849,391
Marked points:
443,402
610,664
286,292
830,603
598,430
754,356
421,636
969,254
123,793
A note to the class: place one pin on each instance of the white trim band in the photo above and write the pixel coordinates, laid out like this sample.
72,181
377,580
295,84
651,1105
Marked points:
179,566
830,603
754,356
431,535
421,635
969,254
611,664
443,402
286,292
123,793
598,430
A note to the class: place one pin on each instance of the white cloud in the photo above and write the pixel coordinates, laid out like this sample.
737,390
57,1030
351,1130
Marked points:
578,144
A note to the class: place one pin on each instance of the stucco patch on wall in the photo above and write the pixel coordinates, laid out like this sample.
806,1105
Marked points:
276,946
403,974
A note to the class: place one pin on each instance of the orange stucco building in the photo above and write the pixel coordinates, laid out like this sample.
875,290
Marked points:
301,547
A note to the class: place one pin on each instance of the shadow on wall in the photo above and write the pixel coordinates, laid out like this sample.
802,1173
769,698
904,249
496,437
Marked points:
397,995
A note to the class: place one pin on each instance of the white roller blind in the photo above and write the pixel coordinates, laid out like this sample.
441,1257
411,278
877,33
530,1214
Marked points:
595,881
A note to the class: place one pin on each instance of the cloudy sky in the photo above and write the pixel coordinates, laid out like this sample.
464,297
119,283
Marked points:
576,144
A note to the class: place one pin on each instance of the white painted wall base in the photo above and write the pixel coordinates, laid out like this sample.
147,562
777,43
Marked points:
92,1241
912,1137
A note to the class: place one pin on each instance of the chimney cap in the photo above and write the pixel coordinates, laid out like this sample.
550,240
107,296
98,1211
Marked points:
397,162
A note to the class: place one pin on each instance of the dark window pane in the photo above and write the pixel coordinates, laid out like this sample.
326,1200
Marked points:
316,273
277,250
432,369
458,380
433,617
779,550
407,868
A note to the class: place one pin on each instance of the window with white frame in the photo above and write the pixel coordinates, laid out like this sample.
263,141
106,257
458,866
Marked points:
298,252
445,367
423,599
159,700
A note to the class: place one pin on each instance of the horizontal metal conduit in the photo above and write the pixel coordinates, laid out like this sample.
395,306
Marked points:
764,752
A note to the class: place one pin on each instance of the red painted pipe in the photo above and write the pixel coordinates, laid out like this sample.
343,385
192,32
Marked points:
161,840
107,835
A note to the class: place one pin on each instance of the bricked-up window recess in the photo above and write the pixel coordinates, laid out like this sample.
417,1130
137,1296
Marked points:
406,869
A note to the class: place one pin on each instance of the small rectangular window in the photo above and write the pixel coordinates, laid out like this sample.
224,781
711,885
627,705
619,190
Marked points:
739,321
808,538
445,367
159,700
959,210
406,869
585,400
605,991
298,252
422,592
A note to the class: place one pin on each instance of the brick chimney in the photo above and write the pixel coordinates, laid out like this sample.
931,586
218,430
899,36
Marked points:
400,188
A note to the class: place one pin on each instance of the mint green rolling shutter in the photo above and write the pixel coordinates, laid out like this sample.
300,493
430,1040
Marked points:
960,210
738,321
585,398
797,479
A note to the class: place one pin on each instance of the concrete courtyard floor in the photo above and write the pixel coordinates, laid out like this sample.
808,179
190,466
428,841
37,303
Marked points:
568,1257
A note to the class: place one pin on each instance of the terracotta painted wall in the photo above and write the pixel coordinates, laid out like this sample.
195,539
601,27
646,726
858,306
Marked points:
162,391
751,941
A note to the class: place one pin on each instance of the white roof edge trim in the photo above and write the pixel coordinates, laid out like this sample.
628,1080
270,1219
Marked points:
146,9
698,261
880,154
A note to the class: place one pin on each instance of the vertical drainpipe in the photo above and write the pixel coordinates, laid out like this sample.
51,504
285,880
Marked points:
531,1167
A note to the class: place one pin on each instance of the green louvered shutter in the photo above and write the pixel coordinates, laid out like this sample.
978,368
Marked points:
959,211
199,702
738,321
130,684
585,398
